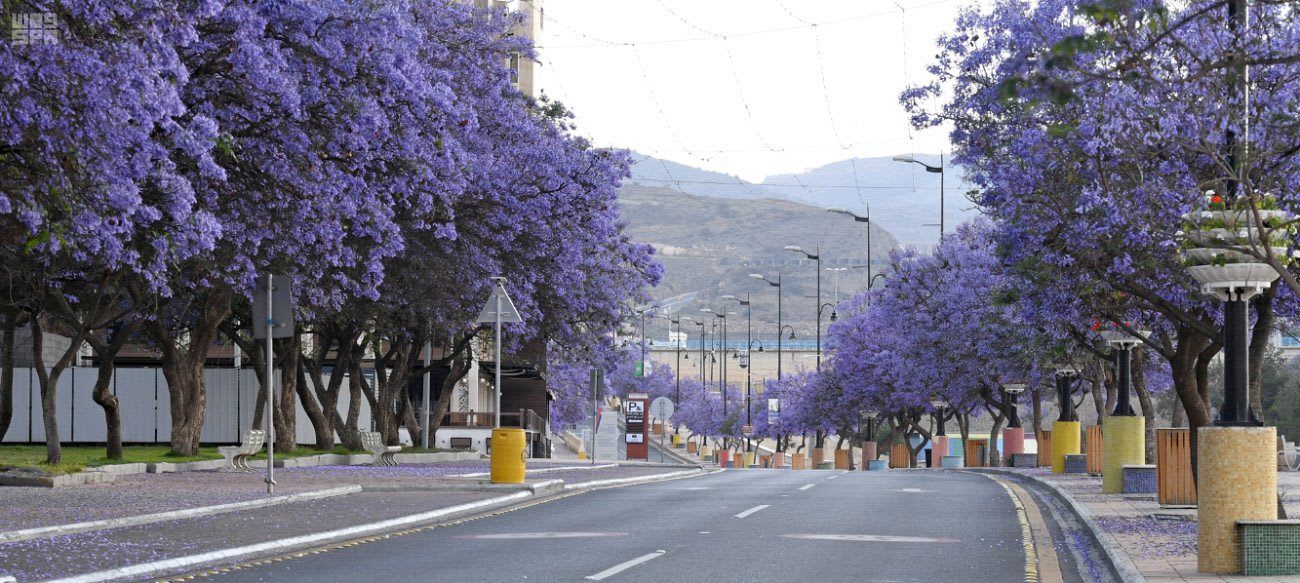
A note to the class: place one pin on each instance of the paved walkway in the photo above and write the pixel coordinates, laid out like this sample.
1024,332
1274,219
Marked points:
1160,541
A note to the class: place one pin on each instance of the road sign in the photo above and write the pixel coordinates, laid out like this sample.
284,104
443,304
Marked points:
635,411
773,411
636,438
662,409
747,430
281,307
509,315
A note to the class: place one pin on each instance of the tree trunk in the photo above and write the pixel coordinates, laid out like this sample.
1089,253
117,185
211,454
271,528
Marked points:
105,398
286,406
49,381
1177,417
182,367
1098,396
9,325
1144,399
1259,337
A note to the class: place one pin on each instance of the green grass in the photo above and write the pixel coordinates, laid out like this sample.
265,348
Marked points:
80,457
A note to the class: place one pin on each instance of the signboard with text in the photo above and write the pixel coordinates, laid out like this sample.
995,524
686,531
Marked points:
634,413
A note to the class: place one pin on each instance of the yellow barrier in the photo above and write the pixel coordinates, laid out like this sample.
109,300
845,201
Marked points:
508,456
1125,444
1065,441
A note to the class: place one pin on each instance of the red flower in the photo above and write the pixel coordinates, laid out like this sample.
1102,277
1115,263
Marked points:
1216,199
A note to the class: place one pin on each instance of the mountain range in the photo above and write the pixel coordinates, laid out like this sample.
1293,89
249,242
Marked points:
902,197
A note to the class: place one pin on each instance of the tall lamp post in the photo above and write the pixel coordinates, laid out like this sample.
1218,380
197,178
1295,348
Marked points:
744,363
779,327
1066,430
641,313
677,345
939,444
722,364
1124,430
861,219
1013,436
816,256
933,170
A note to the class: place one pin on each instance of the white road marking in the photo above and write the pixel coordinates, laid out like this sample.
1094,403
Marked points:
539,535
914,490
619,568
833,477
802,488
753,510
693,488
705,532
873,538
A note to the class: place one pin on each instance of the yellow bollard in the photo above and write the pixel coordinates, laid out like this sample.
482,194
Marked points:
508,453
582,454
1065,441
1124,444
677,439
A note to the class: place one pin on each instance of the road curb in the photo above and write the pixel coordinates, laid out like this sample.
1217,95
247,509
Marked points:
615,482
76,527
285,545
1119,560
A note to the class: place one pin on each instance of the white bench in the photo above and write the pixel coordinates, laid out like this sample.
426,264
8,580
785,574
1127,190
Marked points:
237,455
373,441
1288,459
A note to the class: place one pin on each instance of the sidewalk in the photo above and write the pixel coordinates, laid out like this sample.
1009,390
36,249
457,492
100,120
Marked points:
1161,542
358,498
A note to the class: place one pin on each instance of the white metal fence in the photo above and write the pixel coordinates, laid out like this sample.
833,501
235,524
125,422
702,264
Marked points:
145,406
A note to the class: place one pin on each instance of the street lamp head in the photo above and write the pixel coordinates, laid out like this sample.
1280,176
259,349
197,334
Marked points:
707,310
834,315
939,402
907,159
756,276
1014,388
795,248
791,334
728,297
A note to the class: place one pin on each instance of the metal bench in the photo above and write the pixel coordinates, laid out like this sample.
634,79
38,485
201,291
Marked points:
237,455
374,443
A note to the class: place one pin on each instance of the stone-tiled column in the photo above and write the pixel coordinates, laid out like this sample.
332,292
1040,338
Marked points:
1237,469
1125,444
1065,441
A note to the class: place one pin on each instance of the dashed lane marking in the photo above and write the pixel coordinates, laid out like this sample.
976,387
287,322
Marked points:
873,538
539,535
619,568
753,510
805,487
915,490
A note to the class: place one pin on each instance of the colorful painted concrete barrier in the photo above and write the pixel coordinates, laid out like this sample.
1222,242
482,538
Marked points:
1013,441
1125,444
868,453
1076,463
950,461
877,465
1066,440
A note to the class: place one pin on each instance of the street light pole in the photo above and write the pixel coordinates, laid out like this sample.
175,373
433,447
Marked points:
779,327
867,219
749,379
818,258
933,170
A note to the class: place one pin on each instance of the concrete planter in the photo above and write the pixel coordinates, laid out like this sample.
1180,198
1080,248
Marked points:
796,461
951,461
842,457
877,465
168,467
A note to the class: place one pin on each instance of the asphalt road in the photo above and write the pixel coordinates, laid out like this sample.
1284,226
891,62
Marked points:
742,526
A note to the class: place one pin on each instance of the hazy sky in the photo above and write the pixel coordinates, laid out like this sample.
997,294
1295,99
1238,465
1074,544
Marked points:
746,87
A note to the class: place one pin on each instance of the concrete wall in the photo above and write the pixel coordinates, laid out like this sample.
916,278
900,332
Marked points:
145,406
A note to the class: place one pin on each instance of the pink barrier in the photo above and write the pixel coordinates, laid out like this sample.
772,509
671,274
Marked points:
1013,442
938,448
